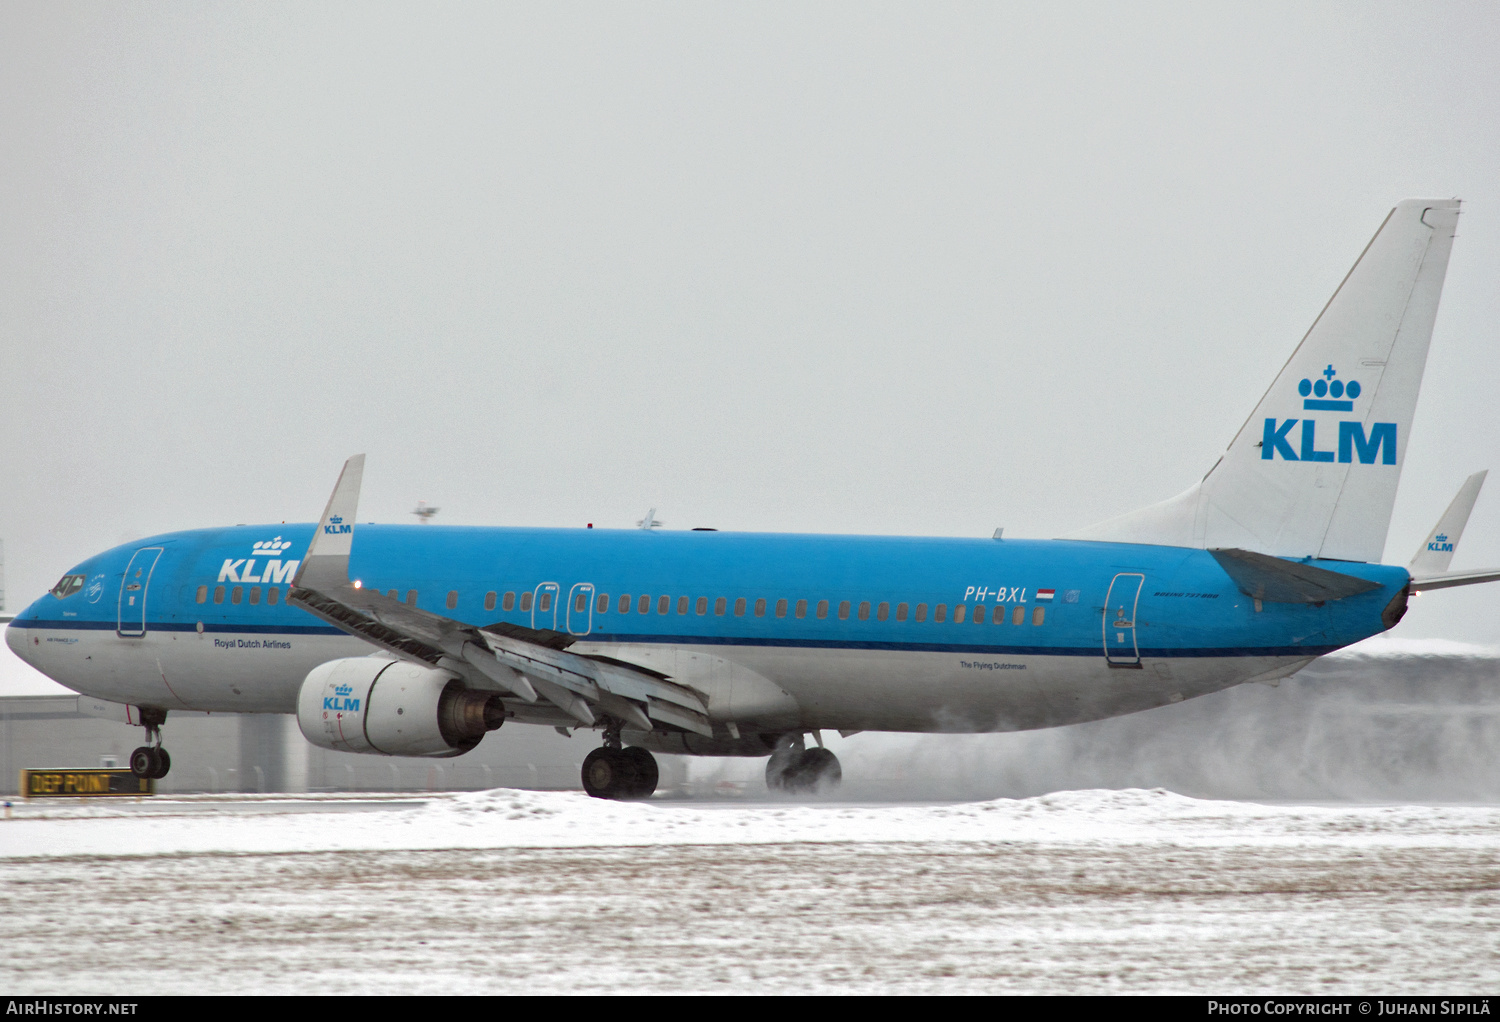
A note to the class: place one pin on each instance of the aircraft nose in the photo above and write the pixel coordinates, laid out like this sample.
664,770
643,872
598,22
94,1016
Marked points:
15,638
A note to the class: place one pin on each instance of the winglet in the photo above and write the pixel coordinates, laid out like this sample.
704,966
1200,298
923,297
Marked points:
325,566
1436,552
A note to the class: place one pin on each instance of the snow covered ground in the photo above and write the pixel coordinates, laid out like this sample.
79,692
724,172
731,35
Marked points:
500,891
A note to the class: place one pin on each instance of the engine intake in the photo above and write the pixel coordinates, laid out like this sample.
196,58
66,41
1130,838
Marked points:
393,708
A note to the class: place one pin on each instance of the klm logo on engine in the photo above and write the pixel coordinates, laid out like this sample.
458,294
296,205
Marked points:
336,525
276,571
1440,545
1330,395
340,700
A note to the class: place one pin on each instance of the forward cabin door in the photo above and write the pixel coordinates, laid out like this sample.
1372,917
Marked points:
133,588
1120,648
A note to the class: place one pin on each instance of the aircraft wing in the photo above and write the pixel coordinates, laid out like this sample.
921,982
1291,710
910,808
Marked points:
525,663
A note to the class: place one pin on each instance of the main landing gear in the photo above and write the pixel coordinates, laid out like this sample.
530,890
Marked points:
151,761
620,774
798,770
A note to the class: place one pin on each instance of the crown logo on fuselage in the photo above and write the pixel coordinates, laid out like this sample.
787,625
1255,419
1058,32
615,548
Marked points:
1318,392
272,547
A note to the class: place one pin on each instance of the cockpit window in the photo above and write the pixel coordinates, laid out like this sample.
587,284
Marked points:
67,586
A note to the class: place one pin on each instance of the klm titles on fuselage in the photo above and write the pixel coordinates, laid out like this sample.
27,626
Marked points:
276,572
1330,395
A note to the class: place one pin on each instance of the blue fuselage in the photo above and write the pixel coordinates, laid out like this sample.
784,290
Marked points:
859,632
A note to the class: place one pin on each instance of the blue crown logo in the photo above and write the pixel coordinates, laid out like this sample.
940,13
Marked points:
1441,538
1319,392
336,519
343,690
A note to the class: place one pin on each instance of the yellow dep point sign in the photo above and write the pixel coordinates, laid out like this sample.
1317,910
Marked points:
84,783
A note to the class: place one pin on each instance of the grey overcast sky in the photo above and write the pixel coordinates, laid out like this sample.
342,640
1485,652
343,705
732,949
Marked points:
865,267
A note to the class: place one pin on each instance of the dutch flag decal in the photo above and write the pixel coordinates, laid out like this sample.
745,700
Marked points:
1045,594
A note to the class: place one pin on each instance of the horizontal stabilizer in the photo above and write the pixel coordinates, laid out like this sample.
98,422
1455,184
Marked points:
1423,583
1276,581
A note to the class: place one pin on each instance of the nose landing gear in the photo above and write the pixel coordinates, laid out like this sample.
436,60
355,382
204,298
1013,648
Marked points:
151,761
620,774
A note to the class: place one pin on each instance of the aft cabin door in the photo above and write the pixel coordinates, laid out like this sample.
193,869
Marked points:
132,620
1120,648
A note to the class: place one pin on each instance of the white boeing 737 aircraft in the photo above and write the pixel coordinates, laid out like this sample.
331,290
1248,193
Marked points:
419,640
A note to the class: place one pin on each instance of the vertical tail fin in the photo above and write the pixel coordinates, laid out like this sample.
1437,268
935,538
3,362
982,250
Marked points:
1313,472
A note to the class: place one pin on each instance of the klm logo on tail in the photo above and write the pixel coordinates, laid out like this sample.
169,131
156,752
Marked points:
1330,395
336,525
1440,544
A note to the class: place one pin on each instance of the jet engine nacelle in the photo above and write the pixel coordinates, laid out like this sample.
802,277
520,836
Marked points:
393,708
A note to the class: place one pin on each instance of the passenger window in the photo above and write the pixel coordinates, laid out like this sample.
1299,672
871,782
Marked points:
663,605
544,603
254,595
218,594
760,608
525,602
580,603
843,610
979,614
822,609
236,594
273,596
781,608
509,602
682,604
411,597
625,602
452,599
900,612
882,612
203,594
999,615
1019,616
959,612
1038,615
703,605
801,609
489,601
940,613
720,605
739,607
864,610
921,612
602,605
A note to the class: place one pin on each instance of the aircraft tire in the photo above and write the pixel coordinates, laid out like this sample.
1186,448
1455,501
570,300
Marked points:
603,772
643,771
163,763
818,770
143,762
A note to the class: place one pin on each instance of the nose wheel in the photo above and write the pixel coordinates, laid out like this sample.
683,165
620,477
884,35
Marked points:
151,761
620,774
